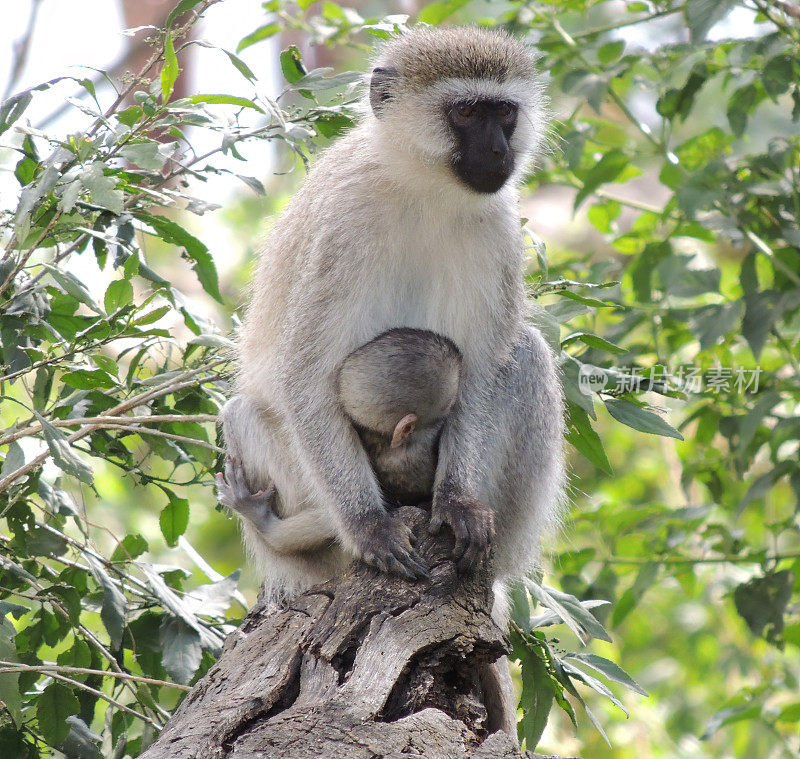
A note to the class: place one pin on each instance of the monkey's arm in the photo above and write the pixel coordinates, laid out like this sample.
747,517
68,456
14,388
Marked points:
462,452
502,448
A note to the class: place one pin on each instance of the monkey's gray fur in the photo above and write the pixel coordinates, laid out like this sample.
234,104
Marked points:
383,234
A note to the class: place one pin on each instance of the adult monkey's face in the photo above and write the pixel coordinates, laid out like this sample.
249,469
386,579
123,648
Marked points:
484,159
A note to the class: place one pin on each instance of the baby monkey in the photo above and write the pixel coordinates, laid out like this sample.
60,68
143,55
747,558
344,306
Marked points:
397,390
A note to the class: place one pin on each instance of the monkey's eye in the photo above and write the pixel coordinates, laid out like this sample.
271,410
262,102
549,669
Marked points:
506,112
462,114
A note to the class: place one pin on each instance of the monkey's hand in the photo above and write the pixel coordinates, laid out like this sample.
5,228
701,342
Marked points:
386,543
234,492
472,524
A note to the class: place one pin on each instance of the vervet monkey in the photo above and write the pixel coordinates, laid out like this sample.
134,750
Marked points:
409,220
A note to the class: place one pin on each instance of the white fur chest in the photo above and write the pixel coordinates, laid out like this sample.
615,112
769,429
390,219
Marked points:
439,273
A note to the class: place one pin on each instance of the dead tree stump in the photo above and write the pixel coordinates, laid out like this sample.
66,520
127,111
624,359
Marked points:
365,666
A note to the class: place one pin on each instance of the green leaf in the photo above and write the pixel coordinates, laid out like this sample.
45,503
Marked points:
179,10
181,650
611,670
15,459
54,706
678,102
729,716
644,579
762,602
700,150
580,613
610,52
593,341
537,699
601,215
581,621
130,547
701,15
291,64
202,262
118,294
241,66
88,379
595,684
435,13
62,453
74,287
586,84
640,419
779,74
152,316
582,436
112,612
13,108
262,33
740,106
145,155
9,681
607,169
171,70
226,100
520,606
790,713
81,742
102,189
174,519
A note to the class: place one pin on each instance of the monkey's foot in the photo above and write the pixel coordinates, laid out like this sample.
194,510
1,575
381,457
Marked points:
234,492
387,543
472,524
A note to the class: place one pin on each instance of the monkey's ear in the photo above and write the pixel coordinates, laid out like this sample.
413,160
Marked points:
380,88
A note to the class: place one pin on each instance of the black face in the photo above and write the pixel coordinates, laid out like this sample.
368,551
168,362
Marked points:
483,129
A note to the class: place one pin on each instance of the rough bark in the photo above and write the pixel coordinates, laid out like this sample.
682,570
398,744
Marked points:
365,666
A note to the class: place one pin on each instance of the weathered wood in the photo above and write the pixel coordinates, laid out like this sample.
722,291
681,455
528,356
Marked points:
365,666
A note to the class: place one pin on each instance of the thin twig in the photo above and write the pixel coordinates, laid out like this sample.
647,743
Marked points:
21,50
160,433
677,560
10,666
93,691
105,421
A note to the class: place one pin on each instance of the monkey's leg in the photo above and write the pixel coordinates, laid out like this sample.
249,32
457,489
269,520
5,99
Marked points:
253,455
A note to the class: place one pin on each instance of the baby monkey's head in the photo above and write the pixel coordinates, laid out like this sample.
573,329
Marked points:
402,380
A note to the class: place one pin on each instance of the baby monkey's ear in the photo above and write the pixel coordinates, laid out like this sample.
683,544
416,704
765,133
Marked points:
403,429
381,87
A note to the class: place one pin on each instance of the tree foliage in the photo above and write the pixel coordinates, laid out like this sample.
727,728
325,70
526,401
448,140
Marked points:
680,146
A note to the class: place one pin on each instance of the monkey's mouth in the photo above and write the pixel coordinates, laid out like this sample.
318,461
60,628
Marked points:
485,177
